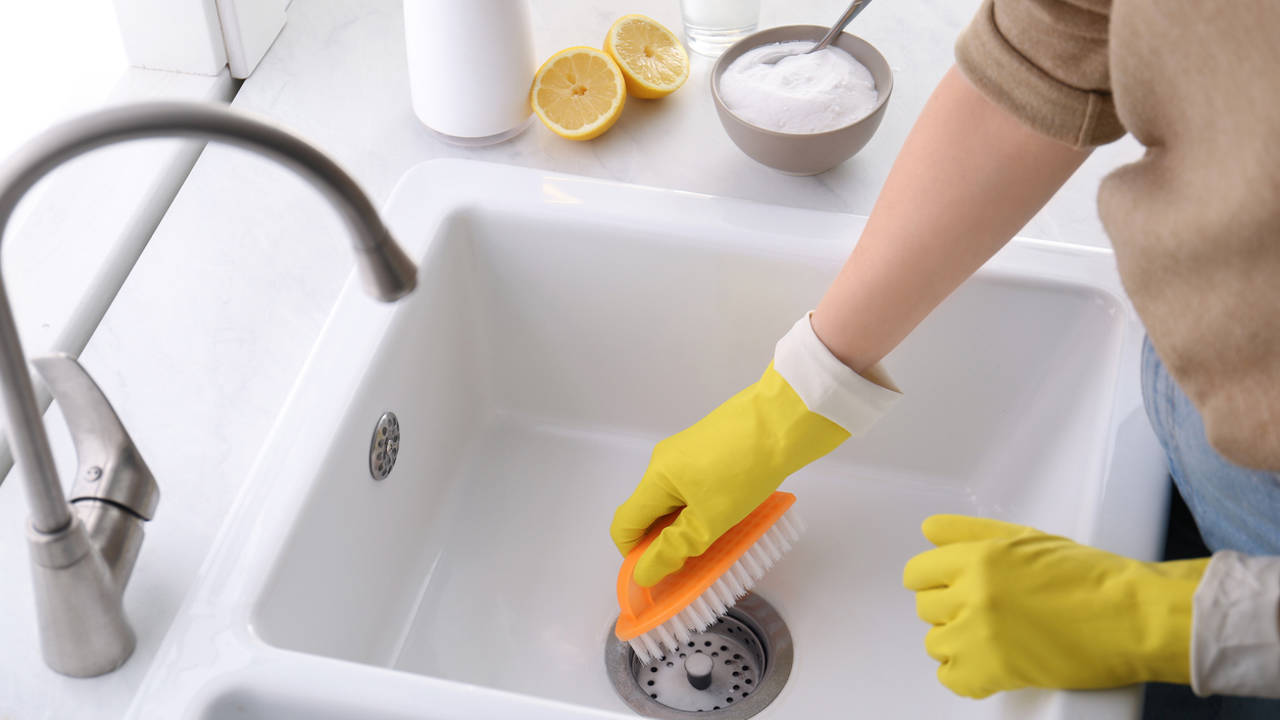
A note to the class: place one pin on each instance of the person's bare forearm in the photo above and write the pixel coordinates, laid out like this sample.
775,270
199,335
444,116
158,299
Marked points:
967,178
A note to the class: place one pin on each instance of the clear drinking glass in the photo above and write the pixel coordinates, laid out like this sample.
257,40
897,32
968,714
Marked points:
711,26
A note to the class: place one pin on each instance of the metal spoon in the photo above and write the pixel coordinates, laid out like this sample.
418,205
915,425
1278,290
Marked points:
855,7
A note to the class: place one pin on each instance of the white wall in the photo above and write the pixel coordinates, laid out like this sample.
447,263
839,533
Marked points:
59,59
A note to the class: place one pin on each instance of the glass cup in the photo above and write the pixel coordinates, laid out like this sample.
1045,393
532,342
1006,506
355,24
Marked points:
711,26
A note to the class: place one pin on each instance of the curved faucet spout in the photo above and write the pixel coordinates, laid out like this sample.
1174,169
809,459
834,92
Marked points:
387,272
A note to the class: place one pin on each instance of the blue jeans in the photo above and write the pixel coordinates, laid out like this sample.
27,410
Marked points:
1234,508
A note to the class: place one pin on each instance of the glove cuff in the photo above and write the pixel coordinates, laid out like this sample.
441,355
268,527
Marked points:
827,386
1167,644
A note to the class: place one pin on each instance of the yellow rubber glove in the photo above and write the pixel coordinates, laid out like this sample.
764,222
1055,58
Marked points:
723,466
718,470
1013,607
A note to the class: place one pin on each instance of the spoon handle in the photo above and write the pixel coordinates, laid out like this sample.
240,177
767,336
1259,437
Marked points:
855,7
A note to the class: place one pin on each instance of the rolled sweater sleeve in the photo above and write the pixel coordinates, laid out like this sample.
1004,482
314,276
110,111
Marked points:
1235,627
1046,62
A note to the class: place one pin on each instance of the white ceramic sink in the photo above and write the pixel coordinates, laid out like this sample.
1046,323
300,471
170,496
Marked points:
564,325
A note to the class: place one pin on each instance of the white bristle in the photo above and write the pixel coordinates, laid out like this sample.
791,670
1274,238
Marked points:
689,619
699,623
705,614
734,586
637,647
709,613
770,547
767,556
717,599
651,646
788,529
713,596
666,637
699,620
796,521
722,591
780,539
761,557
679,629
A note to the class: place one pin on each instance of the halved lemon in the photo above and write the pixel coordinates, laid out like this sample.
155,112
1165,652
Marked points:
650,56
578,93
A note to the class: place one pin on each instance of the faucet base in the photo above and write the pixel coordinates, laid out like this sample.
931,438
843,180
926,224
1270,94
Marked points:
83,630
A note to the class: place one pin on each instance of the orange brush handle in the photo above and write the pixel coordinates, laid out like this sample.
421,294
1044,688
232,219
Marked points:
643,609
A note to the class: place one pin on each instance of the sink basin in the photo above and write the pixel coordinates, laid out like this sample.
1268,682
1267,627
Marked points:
562,326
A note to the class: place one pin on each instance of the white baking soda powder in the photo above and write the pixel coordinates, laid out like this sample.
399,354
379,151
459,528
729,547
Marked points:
810,93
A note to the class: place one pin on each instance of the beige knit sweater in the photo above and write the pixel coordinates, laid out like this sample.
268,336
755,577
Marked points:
1196,222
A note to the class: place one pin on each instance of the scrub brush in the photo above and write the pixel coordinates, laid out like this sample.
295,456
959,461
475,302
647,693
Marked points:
663,617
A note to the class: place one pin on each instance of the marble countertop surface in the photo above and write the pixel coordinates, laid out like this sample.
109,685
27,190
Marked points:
204,339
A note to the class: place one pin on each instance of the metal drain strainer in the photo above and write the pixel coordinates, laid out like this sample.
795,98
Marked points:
747,655
385,446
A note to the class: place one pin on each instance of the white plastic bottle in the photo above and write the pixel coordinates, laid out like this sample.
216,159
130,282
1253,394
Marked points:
471,63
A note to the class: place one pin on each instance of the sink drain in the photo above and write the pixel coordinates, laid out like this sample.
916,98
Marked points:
733,669
385,446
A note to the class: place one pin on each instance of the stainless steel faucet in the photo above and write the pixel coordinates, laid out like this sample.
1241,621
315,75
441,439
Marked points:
83,551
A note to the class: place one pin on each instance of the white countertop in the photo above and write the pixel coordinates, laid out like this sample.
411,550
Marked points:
78,233
205,337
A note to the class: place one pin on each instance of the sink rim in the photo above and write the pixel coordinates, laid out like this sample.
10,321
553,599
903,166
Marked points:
219,607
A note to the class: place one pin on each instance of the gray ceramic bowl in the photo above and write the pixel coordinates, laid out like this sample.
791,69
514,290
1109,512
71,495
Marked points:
810,153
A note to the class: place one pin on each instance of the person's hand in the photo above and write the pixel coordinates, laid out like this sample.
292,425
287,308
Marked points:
1013,607
726,464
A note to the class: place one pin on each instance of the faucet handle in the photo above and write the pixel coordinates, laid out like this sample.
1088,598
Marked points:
110,468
